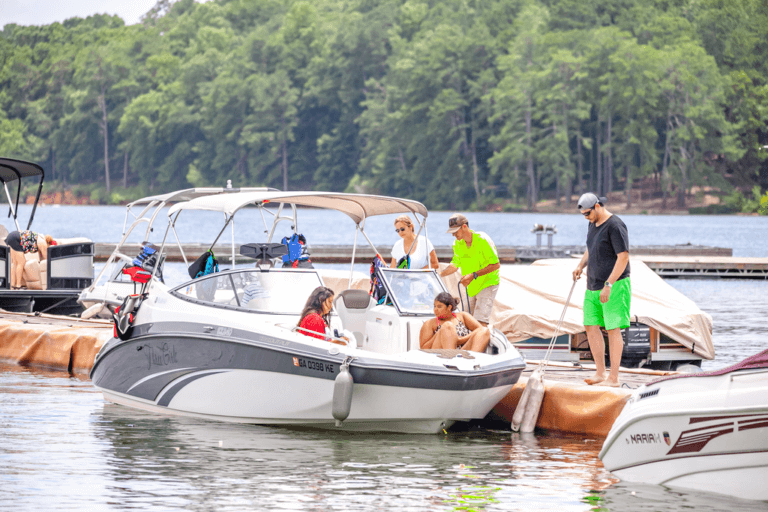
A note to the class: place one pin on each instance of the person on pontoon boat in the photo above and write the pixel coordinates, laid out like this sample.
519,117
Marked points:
420,251
21,243
315,317
452,329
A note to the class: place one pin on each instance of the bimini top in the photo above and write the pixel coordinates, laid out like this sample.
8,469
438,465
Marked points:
357,206
193,193
12,170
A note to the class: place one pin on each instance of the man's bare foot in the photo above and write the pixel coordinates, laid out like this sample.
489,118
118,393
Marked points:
611,383
595,379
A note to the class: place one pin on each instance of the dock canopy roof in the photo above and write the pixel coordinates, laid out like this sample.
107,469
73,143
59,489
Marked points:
357,206
11,170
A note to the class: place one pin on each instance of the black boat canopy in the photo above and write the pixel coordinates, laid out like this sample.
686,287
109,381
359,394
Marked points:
12,170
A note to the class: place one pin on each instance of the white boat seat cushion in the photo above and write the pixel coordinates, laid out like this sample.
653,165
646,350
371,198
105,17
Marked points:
352,306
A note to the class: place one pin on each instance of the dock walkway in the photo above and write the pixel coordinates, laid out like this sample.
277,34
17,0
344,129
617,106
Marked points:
667,261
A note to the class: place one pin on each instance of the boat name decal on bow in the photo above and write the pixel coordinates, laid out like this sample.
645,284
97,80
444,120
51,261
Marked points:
644,438
313,365
694,440
159,356
224,331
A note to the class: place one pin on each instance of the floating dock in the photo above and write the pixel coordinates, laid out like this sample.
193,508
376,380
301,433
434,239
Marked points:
70,344
666,260
708,266
53,342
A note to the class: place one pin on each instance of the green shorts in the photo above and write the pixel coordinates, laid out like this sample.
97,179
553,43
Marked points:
614,313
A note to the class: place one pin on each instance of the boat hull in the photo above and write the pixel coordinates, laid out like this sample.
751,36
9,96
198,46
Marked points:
278,382
704,433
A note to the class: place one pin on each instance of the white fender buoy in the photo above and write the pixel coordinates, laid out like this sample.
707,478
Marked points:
517,418
533,406
342,393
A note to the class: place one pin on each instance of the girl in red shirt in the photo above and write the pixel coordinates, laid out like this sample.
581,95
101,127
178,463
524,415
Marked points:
315,316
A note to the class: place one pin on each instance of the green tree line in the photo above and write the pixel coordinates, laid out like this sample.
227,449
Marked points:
456,103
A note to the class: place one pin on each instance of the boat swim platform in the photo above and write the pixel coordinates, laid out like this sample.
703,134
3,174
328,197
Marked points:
667,261
70,344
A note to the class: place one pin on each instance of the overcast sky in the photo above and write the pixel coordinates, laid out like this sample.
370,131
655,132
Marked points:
44,12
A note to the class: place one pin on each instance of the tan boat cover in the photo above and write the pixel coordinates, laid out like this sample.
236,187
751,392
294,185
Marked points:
531,298
357,206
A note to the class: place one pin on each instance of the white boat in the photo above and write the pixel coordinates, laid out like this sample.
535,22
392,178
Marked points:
111,285
706,431
201,349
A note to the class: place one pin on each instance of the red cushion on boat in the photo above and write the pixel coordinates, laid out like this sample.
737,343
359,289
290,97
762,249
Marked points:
137,274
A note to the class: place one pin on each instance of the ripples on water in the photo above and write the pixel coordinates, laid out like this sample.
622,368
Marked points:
63,448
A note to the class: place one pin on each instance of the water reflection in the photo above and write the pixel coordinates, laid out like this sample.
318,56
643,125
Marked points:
62,447
196,463
625,496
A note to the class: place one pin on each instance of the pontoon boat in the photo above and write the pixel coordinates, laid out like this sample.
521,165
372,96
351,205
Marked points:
49,286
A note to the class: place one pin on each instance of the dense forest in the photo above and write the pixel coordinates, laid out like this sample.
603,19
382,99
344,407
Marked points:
455,103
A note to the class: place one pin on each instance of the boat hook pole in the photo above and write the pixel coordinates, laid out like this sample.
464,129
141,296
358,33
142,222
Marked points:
543,363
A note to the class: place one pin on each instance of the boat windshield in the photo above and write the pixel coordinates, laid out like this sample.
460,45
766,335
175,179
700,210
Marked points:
412,291
281,292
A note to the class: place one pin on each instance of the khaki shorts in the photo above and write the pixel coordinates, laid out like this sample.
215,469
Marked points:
481,305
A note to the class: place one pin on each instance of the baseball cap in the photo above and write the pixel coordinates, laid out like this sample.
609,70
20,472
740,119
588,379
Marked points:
589,200
455,222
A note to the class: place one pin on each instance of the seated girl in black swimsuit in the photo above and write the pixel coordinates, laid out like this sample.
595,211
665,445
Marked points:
452,330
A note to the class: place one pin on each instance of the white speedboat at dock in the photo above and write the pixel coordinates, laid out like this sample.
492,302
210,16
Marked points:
705,431
201,349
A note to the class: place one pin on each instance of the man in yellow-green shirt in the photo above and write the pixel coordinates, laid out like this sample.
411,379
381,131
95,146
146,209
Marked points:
475,256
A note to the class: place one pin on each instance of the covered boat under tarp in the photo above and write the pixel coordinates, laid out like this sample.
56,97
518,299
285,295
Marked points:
531,299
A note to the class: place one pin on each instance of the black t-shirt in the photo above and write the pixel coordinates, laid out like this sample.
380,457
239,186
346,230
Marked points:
604,242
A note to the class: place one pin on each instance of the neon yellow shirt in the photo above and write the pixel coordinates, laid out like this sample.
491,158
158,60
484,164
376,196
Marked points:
480,254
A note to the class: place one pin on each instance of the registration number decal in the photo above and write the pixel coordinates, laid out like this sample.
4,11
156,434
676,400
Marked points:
313,365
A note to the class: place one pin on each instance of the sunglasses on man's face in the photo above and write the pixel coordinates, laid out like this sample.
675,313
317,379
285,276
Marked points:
587,212
398,230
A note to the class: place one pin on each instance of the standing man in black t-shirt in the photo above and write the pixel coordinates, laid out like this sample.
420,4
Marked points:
606,302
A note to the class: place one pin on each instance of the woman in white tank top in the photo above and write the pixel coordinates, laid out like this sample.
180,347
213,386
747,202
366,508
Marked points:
422,254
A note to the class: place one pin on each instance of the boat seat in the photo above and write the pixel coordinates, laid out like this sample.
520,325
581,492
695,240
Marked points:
352,307
35,275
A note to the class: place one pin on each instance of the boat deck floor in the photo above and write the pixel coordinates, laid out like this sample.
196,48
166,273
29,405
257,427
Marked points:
630,378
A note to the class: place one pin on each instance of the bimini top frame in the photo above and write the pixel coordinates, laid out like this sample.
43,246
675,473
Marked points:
357,206
152,205
14,170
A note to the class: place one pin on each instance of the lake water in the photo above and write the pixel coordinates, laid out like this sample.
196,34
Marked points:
63,448
746,235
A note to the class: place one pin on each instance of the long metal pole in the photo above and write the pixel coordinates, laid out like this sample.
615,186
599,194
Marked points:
354,249
10,203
